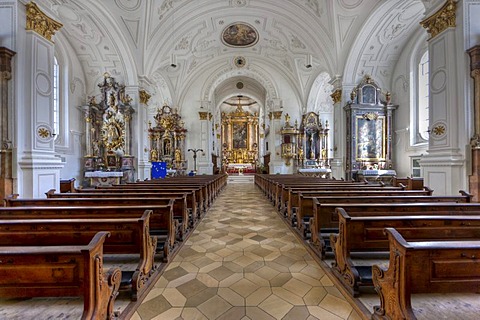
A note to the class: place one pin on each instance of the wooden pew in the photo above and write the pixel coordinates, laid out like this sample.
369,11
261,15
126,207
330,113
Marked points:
325,219
363,233
285,190
339,185
192,205
294,196
180,212
62,271
195,201
161,220
423,267
127,236
304,213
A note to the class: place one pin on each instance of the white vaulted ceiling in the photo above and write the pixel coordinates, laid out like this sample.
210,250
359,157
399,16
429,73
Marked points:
134,39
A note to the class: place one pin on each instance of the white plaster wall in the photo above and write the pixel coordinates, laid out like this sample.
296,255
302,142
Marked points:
403,86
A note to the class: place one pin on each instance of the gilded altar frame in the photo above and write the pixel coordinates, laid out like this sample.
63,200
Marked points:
240,137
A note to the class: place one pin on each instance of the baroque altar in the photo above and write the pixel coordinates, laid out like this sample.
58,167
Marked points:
369,116
311,147
240,138
107,132
167,139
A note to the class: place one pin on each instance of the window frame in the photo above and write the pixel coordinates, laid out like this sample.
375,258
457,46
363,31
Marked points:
416,138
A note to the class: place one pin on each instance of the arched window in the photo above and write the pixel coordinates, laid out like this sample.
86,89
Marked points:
422,99
56,98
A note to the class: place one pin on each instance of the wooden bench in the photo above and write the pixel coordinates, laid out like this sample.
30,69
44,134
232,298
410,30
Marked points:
285,190
294,197
325,220
304,214
362,233
423,267
180,212
62,271
195,201
190,198
201,193
161,220
127,236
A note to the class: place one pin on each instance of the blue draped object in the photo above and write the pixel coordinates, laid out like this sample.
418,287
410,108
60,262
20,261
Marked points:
159,170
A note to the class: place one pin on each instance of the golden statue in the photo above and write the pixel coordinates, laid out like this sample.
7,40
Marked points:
300,154
153,155
178,156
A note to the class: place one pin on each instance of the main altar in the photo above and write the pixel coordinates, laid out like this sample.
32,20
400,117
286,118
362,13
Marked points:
240,140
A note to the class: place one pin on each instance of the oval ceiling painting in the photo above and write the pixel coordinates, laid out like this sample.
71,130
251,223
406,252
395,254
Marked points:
239,35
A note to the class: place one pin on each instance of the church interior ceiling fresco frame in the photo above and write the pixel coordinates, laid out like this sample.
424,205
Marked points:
239,35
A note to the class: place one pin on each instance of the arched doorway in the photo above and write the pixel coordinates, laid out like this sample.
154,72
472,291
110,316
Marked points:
240,136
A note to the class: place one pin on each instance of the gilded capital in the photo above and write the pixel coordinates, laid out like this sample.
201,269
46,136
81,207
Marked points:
336,96
277,115
203,115
441,20
144,96
40,22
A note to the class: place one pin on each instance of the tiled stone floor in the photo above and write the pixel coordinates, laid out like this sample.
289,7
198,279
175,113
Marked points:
242,262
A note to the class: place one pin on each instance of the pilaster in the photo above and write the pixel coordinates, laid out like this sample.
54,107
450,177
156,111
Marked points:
277,164
40,168
204,163
444,165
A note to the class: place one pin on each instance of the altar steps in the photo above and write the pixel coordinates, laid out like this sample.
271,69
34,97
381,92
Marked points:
240,179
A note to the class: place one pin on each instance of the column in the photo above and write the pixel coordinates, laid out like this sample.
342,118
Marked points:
444,165
6,177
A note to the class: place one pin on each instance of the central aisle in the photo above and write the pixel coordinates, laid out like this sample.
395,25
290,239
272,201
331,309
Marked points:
243,262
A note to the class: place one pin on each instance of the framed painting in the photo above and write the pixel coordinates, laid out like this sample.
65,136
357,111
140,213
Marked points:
239,35
370,141
111,161
239,135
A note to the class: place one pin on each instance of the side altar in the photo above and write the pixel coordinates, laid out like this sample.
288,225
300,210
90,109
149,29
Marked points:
107,136
369,117
167,140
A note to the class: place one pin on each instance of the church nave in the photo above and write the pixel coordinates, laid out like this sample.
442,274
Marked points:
243,262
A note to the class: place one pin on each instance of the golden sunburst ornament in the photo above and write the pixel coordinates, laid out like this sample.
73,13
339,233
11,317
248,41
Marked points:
43,133
439,130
